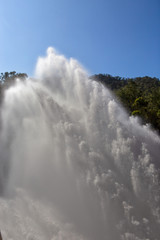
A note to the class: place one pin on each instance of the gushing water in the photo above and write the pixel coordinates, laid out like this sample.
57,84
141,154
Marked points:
73,165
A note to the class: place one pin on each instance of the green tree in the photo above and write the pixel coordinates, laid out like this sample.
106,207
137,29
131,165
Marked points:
128,94
140,96
8,79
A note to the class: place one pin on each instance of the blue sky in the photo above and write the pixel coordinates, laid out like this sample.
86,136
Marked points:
118,37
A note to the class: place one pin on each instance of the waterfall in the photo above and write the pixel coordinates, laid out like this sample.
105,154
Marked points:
73,164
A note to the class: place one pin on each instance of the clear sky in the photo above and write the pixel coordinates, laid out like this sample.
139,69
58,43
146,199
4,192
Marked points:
118,37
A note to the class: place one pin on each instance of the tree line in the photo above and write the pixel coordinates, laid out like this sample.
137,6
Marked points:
140,96
8,79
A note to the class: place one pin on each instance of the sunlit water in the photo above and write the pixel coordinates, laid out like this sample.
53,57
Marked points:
73,165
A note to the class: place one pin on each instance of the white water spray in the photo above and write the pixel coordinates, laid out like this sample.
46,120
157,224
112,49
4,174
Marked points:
73,165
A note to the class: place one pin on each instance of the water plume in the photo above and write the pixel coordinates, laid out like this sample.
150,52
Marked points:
74,165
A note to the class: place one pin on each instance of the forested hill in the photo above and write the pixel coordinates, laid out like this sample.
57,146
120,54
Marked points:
140,96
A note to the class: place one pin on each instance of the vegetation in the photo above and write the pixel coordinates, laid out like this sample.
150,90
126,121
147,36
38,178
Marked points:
140,96
8,79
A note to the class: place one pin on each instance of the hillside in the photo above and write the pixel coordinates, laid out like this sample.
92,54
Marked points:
140,96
